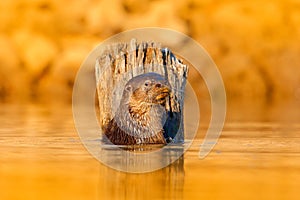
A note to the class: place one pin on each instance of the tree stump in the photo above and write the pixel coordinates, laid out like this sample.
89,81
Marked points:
119,62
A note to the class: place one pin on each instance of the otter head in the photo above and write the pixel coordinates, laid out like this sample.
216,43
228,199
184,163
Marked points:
146,90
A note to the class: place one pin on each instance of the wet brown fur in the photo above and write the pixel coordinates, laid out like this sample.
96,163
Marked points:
134,110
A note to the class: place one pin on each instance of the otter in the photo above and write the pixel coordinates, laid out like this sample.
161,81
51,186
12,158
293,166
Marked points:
141,115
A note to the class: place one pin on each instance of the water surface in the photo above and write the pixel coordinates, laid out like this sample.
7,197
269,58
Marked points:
42,157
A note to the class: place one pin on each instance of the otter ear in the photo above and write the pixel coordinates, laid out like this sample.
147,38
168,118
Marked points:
128,88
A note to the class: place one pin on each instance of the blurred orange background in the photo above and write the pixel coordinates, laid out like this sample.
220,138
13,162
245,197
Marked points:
255,43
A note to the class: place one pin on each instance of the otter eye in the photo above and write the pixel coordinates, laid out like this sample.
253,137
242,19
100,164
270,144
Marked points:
147,83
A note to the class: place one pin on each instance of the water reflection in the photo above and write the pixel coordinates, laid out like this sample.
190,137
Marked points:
141,159
166,183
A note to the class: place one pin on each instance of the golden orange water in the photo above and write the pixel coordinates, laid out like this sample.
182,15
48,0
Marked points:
42,157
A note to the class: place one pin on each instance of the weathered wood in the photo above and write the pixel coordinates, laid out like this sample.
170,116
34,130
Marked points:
120,62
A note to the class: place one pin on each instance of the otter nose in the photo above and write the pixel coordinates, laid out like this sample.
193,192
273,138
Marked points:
158,85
